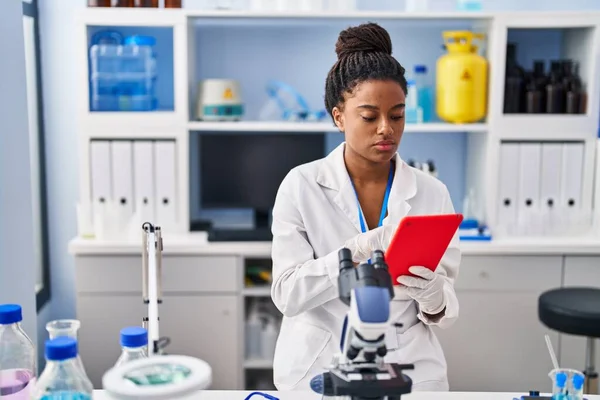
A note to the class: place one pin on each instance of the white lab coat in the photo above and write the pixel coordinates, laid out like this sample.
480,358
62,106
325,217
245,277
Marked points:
315,212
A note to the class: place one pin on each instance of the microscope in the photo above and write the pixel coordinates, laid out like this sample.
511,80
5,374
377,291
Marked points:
359,371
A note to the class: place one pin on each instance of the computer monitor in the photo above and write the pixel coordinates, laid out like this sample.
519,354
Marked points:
245,170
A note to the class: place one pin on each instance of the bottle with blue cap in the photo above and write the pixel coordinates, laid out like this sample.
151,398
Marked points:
413,114
424,92
62,377
134,341
17,355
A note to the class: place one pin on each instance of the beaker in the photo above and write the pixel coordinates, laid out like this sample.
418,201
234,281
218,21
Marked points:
66,327
63,327
566,383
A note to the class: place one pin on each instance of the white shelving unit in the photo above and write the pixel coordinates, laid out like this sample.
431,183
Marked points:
320,127
483,139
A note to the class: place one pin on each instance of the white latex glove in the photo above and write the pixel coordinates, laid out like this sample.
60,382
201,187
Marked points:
427,289
363,244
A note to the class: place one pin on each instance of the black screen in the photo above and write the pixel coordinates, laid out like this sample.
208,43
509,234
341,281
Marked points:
245,170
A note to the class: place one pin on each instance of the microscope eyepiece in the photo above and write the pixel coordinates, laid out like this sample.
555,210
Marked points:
378,258
345,255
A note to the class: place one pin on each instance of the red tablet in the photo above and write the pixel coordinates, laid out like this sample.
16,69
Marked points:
420,240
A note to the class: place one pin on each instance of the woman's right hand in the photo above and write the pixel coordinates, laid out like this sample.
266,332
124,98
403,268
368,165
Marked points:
363,245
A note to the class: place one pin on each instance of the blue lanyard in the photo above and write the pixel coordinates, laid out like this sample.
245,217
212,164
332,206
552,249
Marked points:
384,206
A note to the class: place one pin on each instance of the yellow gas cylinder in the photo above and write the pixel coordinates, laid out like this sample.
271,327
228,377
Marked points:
461,79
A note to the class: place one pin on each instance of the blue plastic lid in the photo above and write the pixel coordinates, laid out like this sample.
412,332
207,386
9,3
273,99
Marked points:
61,348
578,382
134,336
469,224
10,314
411,82
140,40
561,379
420,69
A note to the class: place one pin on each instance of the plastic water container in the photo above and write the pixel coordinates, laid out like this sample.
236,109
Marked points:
123,75
62,378
424,92
413,113
17,355
134,341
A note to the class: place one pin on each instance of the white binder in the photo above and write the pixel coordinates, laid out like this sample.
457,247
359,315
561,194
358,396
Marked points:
122,176
528,208
143,183
165,173
100,174
508,188
550,187
572,183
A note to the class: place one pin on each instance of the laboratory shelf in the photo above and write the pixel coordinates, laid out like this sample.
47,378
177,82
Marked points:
546,127
320,127
258,291
258,364
131,124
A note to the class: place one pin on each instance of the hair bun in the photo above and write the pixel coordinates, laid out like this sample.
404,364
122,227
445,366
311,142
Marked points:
367,38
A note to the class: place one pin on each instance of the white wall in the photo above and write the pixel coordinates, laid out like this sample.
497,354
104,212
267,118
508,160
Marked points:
57,21
17,261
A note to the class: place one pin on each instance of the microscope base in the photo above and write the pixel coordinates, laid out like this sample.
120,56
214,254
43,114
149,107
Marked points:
387,382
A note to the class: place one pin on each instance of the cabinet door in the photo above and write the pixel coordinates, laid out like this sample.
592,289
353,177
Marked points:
579,271
497,341
102,318
209,328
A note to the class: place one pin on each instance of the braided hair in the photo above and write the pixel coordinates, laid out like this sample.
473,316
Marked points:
364,53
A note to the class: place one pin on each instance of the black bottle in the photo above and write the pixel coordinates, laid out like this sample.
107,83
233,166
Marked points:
572,88
535,97
555,90
514,86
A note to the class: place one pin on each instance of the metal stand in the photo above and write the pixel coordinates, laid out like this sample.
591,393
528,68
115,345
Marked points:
152,285
591,376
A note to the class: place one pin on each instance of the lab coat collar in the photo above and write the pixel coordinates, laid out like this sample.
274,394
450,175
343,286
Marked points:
332,174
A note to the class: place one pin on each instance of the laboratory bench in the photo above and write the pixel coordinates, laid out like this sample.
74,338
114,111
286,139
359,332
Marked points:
298,395
497,342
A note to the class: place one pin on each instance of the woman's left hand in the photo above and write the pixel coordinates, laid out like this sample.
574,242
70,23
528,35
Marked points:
427,289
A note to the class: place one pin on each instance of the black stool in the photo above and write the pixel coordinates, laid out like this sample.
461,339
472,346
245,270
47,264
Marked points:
575,311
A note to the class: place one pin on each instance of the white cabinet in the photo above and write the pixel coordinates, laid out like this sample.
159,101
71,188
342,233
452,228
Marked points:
579,271
102,318
201,312
208,328
498,343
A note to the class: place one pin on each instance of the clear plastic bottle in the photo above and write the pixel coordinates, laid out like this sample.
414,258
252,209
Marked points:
62,377
134,341
413,113
17,355
424,92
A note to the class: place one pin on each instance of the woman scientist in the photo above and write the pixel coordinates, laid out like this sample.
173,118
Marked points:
355,197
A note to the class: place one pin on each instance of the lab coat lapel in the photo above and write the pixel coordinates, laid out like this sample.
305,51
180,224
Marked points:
333,175
404,187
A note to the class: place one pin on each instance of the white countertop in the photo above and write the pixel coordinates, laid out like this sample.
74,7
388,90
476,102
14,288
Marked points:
197,244
297,395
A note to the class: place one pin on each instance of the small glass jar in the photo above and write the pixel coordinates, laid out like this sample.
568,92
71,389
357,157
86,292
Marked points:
124,3
99,3
172,3
146,3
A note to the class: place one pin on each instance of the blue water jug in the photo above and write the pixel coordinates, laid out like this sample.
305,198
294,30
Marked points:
123,75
